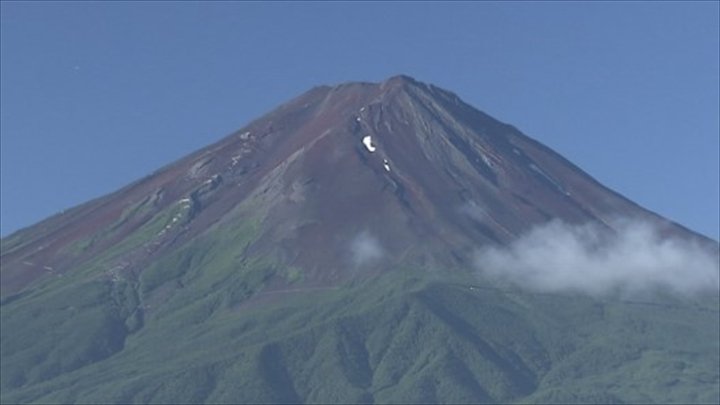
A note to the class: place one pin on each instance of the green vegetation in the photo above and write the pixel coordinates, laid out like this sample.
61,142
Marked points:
400,337
13,242
134,211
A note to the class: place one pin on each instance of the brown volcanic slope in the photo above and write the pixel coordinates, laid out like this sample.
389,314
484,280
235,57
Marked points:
438,179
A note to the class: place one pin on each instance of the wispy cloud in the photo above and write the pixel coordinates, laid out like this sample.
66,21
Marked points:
365,248
474,211
587,258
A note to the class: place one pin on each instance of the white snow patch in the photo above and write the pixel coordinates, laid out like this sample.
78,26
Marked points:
487,160
367,141
358,119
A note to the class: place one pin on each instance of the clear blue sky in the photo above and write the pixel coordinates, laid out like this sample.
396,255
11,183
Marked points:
95,95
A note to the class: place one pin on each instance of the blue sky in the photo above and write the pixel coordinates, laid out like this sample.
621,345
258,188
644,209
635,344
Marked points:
96,95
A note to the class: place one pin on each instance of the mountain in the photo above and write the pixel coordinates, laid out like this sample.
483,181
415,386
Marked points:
326,252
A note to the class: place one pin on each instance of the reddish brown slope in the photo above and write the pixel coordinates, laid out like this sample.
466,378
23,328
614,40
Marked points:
438,179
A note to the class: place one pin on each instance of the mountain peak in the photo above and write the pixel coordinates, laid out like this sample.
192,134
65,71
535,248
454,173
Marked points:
399,80
404,170
246,254
392,83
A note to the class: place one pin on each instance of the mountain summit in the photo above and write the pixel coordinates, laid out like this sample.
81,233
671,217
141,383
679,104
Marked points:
287,262
405,166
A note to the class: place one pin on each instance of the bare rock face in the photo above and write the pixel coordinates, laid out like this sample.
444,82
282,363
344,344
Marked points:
342,180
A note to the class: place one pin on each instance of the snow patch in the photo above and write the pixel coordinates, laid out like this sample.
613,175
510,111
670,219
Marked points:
487,160
367,141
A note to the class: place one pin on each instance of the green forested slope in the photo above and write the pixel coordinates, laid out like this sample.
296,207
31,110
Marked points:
406,336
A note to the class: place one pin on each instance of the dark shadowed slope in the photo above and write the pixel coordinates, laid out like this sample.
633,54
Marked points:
324,253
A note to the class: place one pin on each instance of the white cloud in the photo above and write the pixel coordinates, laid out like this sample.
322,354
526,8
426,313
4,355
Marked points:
474,211
365,248
587,258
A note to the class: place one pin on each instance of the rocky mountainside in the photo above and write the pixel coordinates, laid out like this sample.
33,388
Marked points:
404,163
325,253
